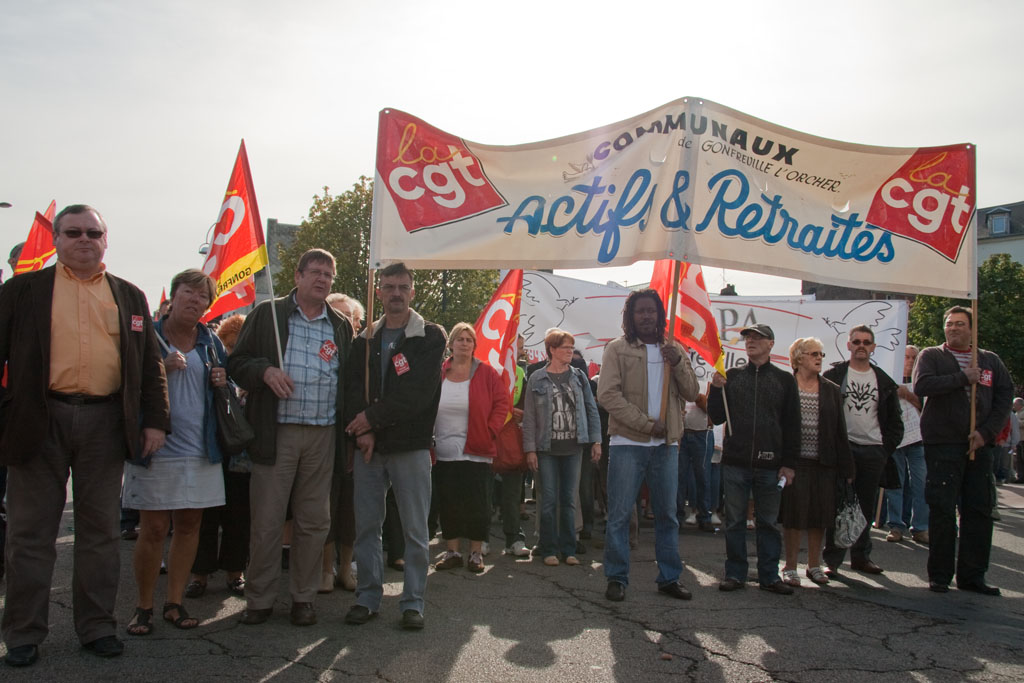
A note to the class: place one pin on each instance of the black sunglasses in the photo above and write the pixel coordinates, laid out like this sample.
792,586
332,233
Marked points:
75,233
860,342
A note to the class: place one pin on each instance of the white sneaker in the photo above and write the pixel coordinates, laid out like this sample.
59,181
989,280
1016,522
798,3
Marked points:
485,549
691,520
715,519
518,549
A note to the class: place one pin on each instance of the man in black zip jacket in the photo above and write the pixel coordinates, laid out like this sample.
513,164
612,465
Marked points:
874,425
394,432
959,460
760,450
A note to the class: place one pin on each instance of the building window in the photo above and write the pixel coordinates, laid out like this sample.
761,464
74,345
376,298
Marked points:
999,223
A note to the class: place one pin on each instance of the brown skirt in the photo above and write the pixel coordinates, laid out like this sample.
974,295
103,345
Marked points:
810,502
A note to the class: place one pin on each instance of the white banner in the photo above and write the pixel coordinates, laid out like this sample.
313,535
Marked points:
692,180
593,314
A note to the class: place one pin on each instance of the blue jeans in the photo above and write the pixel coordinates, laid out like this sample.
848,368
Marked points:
559,479
408,474
739,482
628,466
909,459
695,456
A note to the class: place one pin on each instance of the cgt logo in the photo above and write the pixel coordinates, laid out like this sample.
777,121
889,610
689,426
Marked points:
431,175
929,199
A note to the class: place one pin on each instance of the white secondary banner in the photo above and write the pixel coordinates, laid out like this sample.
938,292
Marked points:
592,313
692,180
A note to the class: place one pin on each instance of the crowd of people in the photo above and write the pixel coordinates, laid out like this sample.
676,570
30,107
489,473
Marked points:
370,438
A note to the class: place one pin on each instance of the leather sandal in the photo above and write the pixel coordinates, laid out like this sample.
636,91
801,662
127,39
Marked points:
817,575
142,623
791,578
183,620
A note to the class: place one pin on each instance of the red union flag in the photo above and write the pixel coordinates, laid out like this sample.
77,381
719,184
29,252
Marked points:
38,249
497,329
696,328
238,249
929,199
242,294
431,175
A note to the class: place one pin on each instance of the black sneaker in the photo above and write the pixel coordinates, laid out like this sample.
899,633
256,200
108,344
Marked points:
777,587
359,615
412,620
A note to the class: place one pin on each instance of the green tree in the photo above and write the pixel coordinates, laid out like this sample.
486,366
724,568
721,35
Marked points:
341,225
1000,311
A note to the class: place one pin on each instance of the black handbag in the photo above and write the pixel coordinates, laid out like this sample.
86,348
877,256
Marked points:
234,433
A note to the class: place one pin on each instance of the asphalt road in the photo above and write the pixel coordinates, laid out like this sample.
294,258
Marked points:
522,621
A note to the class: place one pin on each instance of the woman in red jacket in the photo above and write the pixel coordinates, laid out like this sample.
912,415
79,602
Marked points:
473,408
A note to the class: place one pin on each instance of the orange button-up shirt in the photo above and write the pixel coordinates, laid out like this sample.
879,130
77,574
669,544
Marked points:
85,335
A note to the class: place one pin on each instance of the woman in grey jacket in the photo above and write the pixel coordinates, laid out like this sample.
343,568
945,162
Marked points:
559,417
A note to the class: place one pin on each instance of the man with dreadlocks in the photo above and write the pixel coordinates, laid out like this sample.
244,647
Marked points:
643,440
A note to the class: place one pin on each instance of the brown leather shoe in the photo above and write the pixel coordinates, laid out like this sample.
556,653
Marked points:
867,566
895,535
303,614
920,537
253,617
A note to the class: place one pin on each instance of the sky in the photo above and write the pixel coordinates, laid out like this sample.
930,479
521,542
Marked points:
138,108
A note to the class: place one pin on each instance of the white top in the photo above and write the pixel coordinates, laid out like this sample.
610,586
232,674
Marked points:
452,423
655,376
861,407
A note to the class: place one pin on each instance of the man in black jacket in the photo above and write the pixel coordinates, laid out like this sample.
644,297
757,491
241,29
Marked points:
394,431
874,425
763,407
960,460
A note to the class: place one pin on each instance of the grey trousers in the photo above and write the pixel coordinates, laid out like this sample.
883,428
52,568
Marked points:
88,441
408,473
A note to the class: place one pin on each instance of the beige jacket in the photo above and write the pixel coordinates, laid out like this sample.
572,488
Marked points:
622,391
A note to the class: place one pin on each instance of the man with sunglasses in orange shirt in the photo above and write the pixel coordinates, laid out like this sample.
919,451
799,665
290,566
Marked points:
86,390
874,426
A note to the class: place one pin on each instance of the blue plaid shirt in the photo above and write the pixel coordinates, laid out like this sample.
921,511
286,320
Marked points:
311,360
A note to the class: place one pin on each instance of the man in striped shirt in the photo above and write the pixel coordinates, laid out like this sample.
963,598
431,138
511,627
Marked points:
959,459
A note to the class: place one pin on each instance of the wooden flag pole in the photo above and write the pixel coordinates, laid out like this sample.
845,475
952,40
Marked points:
974,364
667,373
369,334
273,315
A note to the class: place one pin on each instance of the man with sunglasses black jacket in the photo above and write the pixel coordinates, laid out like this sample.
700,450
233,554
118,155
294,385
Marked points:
874,425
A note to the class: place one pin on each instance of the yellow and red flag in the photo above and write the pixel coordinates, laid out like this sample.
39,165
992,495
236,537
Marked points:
695,327
497,329
38,249
237,250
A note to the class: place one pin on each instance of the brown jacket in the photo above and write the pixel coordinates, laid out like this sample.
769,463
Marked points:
622,391
25,305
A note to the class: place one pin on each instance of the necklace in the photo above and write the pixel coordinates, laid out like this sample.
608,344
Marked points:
183,341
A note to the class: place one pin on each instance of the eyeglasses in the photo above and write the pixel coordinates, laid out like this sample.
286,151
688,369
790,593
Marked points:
320,273
814,354
392,288
862,342
75,233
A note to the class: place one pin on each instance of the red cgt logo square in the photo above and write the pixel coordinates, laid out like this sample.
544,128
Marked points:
431,175
930,199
